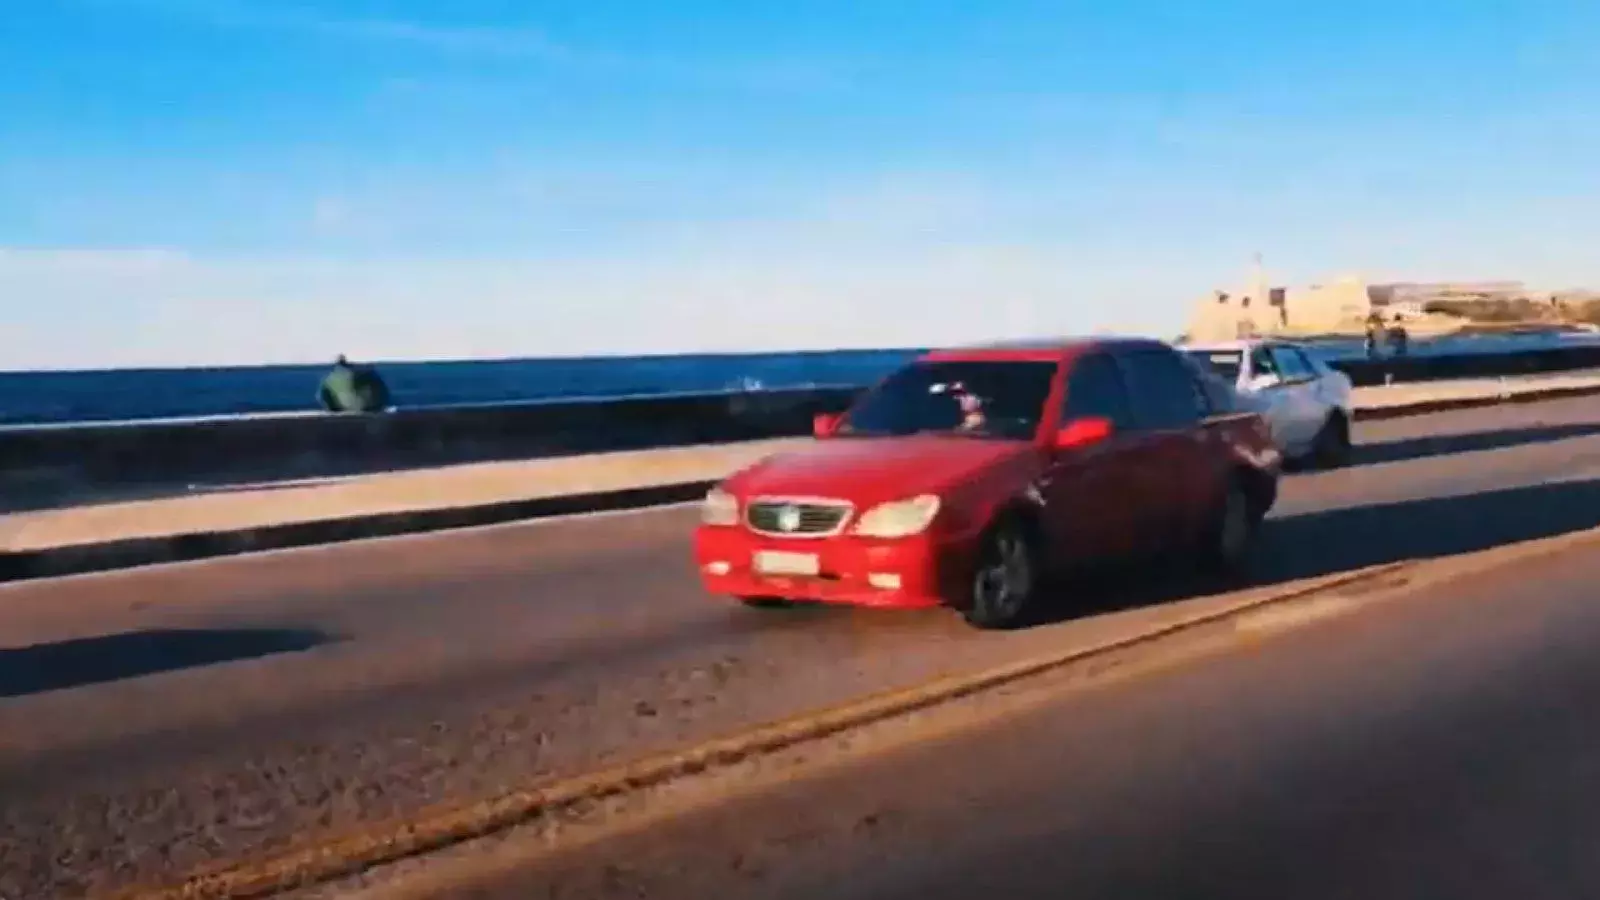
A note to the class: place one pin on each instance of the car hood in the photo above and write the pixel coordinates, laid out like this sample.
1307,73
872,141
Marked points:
873,470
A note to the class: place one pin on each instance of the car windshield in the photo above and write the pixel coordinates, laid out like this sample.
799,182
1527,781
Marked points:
1225,363
994,399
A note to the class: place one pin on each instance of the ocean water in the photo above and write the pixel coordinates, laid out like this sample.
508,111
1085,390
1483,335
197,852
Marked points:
129,394
120,395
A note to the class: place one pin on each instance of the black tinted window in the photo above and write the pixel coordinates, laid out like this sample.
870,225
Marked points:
1095,388
1226,363
981,398
1314,365
1262,363
1219,394
1165,393
1291,364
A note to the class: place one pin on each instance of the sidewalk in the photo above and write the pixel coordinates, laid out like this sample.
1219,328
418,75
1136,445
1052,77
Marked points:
451,487
267,516
1406,398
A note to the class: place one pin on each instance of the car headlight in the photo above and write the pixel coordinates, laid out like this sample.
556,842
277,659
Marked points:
899,518
719,508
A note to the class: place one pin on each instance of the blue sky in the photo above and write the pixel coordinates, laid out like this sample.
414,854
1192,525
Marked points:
231,181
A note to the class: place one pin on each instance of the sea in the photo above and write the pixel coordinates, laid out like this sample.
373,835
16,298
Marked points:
57,398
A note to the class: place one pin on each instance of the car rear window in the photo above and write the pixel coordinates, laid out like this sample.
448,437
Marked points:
1225,363
1095,388
1221,394
1166,393
980,398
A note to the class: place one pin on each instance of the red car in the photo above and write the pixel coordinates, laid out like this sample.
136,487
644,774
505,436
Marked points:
967,477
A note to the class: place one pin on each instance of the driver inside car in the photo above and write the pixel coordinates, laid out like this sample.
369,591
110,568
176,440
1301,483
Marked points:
970,405
972,417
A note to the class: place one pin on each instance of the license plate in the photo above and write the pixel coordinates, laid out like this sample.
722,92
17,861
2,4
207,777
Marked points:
778,562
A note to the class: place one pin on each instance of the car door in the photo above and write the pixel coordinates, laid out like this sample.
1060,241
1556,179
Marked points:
1089,491
1333,385
1169,404
1301,409
1266,388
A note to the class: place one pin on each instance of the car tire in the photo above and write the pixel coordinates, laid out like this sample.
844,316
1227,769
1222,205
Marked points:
1005,579
1231,533
1332,448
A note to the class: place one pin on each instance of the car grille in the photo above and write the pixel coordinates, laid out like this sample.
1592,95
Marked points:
787,518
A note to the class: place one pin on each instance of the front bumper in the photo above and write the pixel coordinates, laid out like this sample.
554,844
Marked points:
906,573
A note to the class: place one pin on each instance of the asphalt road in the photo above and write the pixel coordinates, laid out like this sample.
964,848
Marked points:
154,720
1437,746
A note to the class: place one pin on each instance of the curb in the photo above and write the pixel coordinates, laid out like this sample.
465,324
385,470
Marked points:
137,552
432,831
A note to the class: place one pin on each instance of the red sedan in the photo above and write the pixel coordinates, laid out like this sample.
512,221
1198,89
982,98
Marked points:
967,477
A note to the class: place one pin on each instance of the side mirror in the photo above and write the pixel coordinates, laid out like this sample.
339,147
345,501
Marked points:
825,424
1083,432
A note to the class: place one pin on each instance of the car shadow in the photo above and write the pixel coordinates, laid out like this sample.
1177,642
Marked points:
97,660
1471,442
1333,541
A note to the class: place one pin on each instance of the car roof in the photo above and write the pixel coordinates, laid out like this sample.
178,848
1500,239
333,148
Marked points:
1241,344
1039,349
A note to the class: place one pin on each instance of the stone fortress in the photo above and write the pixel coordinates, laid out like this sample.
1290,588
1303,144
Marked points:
1343,307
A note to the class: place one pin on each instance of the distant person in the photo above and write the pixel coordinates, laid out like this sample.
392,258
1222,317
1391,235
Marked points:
1372,340
1399,338
351,388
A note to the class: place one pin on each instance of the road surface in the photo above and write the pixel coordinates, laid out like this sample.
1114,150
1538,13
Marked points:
154,720
1442,746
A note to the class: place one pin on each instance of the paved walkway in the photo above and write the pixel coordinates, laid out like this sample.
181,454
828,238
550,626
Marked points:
446,487
257,506
1386,396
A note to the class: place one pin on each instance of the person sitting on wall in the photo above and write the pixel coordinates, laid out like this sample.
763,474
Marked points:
350,388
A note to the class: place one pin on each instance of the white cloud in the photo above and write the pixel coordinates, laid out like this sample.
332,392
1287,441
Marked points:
896,259
495,43
472,40
87,310
329,214
75,262
337,218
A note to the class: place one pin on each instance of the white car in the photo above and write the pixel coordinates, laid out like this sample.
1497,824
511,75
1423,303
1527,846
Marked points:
1306,401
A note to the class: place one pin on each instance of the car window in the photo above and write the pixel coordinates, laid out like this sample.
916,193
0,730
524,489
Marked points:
1314,362
1095,388
997,399
1220,394
1166,394
1226,363
1262,363
1291,365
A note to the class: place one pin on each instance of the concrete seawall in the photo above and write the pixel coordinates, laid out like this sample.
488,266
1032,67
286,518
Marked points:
50,466
47,466
1366,372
